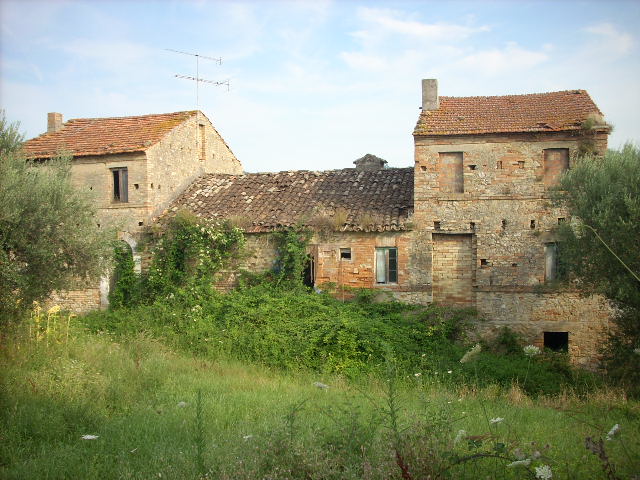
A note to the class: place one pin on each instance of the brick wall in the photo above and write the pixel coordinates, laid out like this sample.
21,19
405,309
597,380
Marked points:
453,269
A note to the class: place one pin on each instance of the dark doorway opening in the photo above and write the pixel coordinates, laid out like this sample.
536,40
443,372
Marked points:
556,341
308,276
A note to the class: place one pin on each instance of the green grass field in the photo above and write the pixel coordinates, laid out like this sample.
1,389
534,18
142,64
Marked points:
158,413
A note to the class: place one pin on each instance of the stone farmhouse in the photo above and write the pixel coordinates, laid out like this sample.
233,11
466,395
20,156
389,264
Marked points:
470,224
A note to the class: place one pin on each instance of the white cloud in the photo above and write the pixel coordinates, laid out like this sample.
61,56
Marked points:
611,39
498,61
391,21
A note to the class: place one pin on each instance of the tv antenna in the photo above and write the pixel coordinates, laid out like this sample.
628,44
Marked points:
200,132
197,78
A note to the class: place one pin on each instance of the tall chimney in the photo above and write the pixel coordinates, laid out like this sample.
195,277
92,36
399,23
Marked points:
54,122
430,99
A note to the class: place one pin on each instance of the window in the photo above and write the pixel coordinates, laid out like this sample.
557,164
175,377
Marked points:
550,262
120,187
451,174
387,265
345,254
202,152
556,341
556,162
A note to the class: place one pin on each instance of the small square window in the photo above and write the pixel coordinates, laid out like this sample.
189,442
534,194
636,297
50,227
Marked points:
556,341
436,226
521,164
386,265
499,165
345,254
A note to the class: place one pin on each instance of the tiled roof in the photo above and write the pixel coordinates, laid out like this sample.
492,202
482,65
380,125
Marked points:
101,136
346,199
538,112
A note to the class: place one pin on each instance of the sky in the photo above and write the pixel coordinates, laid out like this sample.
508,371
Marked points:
313,85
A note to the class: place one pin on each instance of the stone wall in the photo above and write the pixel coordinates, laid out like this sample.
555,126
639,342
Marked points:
94,174
501,207
176,160
77,301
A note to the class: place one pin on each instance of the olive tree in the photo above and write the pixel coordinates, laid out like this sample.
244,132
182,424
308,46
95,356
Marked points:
49,239
600,248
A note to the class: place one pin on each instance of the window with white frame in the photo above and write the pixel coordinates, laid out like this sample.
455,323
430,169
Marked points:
386,265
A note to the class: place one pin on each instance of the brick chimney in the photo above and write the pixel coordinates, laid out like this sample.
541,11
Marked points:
54,122
430,99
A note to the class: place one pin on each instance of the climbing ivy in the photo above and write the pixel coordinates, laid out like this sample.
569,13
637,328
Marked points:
126,283
292,245
188,252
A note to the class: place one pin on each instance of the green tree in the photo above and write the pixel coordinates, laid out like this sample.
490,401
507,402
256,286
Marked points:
601,247
49,239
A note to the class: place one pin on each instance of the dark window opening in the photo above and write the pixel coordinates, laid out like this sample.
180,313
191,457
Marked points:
309,274
561,220
387,265
423,168
556,341
484,262
436,225
514,264
140,224
472,225
120,187
499,165
504,224
532,224
136,186
345,254
472,167
521,164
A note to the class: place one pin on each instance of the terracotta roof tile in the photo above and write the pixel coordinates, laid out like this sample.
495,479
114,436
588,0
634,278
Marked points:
538,112
370,200
102,136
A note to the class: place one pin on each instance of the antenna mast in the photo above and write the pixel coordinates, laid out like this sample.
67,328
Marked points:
199,80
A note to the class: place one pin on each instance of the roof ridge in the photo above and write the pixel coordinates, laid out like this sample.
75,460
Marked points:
190,112
574,91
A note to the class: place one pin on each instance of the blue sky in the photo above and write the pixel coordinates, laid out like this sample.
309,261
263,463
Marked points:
314,85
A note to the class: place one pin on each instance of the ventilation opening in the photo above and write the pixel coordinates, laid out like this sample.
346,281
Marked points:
532,225
436,225
484,262
472,226
556,341
423,168
140,224
472,167
561,220
345,254
504,224
499,165
520,164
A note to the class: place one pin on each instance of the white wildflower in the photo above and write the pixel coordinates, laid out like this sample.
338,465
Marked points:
524,463
449,371
90,437
182,404
496,420
320,385
471,354
424,354
613,431
247,437
531,350
543,472
460,436
417,374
